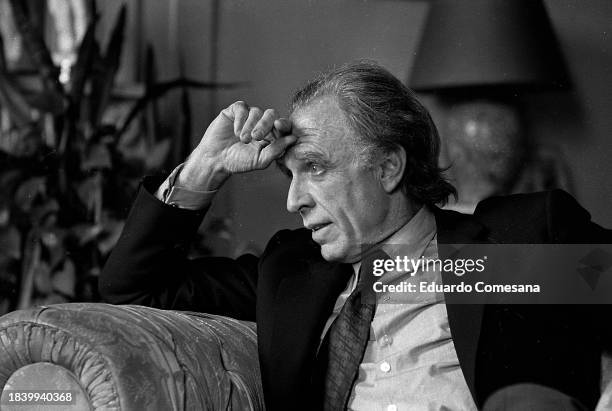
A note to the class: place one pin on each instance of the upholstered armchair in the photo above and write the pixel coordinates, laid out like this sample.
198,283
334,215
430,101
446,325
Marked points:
139,358
130,358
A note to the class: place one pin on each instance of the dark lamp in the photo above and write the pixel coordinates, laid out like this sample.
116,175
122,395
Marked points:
483,43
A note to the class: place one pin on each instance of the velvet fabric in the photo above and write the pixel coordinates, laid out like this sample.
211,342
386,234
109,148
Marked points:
133,357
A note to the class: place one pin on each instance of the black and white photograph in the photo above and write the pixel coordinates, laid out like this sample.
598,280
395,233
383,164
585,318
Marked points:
365,205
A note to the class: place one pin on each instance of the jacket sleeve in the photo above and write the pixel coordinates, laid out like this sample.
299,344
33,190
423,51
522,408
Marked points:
552,217
569,223
149,265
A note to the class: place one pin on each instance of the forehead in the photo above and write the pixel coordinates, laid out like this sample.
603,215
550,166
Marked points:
321,126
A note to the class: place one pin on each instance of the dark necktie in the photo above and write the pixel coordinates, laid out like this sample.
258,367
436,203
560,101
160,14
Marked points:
344,344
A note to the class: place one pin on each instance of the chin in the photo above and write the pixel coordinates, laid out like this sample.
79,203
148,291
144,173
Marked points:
331,253
335,253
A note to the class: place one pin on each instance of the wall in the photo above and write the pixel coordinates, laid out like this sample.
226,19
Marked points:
582,122
276,45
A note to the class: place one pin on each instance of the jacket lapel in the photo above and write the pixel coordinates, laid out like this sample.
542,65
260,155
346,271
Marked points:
465,320
303,302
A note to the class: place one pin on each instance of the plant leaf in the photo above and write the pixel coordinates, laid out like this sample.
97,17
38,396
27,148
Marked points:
46,102
87,192
85,233
102,82
90,6
113,230
82,66
115,44
14,101
34,93
35,46
22,143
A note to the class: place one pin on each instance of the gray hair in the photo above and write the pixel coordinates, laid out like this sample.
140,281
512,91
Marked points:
385,115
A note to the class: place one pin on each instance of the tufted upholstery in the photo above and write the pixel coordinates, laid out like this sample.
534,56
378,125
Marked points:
137,358
132,357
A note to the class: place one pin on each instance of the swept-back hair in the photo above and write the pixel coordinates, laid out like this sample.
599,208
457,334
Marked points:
385,115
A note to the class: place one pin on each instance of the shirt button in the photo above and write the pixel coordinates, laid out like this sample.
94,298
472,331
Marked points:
386,340
391,407
385,367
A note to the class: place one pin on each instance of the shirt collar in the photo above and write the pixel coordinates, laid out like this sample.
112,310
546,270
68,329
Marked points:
411,239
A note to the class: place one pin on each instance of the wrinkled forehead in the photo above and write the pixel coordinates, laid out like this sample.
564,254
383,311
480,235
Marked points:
322,114
321,121
321,130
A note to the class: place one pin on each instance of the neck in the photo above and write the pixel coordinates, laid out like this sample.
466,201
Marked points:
400,213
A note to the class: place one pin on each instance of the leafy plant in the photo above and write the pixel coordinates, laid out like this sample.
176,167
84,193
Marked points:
70,163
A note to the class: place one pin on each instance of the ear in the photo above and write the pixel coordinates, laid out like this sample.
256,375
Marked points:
391,169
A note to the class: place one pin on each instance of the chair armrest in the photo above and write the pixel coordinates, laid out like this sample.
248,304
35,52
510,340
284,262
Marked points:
133,357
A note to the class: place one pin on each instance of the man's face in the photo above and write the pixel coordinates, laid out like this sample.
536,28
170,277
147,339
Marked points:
337,197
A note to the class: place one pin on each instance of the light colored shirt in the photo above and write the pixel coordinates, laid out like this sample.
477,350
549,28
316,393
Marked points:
410,362
177,196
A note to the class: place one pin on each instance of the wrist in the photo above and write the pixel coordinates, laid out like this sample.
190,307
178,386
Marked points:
202,175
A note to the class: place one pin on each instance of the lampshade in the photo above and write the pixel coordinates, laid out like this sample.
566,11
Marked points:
475,43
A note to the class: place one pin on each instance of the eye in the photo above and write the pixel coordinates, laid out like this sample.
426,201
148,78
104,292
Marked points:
315,168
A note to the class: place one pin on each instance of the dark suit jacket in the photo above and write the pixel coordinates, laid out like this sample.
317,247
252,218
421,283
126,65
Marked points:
290,291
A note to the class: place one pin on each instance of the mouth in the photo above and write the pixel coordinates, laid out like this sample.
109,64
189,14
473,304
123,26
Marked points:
316,227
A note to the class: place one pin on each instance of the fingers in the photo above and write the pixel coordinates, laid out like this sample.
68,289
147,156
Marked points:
237,113
276,149
251,123
265,129
255,115
265,126
283,125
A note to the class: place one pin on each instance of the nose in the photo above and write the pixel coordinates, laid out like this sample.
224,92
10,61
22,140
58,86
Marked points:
298,197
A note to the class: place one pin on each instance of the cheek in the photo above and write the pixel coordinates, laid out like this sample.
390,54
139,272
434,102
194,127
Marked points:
352,200
361,211
370,217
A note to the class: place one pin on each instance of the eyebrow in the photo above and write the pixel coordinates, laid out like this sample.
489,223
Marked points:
304,131
304,155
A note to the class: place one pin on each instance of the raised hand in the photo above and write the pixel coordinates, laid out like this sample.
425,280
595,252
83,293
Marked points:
239,140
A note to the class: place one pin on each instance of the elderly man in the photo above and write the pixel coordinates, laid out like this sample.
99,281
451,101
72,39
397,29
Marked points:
362,156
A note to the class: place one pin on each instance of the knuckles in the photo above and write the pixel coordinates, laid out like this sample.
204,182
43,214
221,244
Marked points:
241,104
254,111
